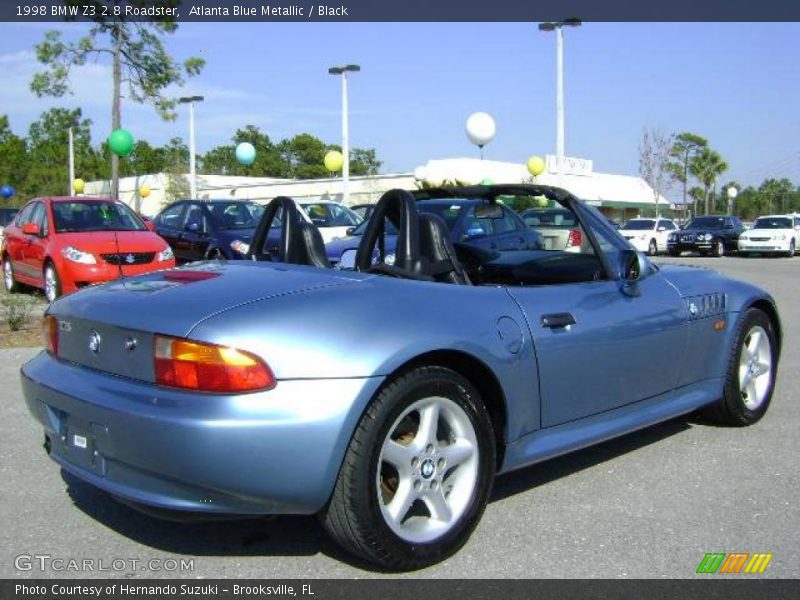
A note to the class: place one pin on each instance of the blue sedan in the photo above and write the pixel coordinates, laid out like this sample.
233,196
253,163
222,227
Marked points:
264,387
468,220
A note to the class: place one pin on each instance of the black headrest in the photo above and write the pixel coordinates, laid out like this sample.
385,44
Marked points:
437,251
306,247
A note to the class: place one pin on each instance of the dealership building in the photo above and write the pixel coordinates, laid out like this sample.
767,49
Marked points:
620,197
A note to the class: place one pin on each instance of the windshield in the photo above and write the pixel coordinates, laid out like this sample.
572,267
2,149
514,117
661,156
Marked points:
324,214
556,218
94,215
235,215
639,224
706,223
772,223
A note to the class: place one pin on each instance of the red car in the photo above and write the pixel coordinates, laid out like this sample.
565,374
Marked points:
64,244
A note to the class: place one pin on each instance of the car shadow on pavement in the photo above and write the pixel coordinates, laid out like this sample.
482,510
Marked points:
541,473
258,536
304,535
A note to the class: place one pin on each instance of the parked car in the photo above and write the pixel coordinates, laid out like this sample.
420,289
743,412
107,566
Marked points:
474,221
774,234
717,235
331,218
6,216
208,229
559,228
64,244
387,398
363,210
648,235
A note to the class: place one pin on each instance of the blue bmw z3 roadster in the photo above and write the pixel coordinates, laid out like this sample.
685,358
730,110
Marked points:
386,397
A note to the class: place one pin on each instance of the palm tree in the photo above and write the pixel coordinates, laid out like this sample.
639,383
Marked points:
707,165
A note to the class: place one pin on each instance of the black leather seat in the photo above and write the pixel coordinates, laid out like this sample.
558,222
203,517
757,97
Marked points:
438,254
300,241
306,247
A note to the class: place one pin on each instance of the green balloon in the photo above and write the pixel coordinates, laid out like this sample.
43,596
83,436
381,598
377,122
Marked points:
487,181
121,142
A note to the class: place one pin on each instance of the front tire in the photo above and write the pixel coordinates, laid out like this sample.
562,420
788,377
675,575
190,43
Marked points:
751,372
719,248
652,248
9,281
52,283
791,251
417,474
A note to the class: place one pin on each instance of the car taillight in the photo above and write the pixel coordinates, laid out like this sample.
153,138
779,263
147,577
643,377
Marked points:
575,238
50,334
207,367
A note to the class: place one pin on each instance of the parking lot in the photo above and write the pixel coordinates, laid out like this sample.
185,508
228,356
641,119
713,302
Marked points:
648,505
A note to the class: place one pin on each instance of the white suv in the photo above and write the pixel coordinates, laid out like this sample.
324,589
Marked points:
648,235
773,234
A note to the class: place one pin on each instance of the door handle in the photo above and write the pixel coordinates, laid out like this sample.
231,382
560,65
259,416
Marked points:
558,320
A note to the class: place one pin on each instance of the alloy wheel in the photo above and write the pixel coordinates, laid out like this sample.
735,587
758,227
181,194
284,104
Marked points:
755,367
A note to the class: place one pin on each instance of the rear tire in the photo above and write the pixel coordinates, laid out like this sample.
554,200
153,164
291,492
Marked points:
52,282
791,251
417,473
750,380
9,281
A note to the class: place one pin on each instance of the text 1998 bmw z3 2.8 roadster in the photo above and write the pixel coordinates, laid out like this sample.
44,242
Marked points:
385,398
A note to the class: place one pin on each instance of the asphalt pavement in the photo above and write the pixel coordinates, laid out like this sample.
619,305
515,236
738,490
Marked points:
648,505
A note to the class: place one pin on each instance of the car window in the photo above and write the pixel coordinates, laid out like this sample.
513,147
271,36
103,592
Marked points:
95,215
235,215
171,217
508,224
773,223
24,216
640,225
549,218
39,217
325,214
196,219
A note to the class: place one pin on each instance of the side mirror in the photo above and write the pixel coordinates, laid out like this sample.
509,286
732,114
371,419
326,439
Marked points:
350,230
30,229
634,267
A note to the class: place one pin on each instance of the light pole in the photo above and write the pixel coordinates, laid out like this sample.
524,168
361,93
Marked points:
71,162
190,100
732,193
558,27
343,71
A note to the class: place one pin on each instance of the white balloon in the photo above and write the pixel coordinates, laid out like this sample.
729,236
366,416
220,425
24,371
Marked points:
420,173
480,128
732,192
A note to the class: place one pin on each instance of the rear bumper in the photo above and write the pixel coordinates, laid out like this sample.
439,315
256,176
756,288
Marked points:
275,452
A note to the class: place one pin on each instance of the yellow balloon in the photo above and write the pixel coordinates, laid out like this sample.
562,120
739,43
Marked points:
79,185
334,161
144,191
535,165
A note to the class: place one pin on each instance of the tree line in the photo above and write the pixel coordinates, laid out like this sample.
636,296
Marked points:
36,164
686,159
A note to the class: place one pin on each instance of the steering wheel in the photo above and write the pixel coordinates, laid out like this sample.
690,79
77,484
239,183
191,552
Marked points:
400,208
289,218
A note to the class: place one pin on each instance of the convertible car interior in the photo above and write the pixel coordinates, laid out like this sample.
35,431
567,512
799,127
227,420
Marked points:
423,249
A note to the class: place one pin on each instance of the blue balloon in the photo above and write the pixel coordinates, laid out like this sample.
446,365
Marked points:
245,153
7,191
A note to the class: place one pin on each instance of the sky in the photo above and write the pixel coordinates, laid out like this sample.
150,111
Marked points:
736,84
